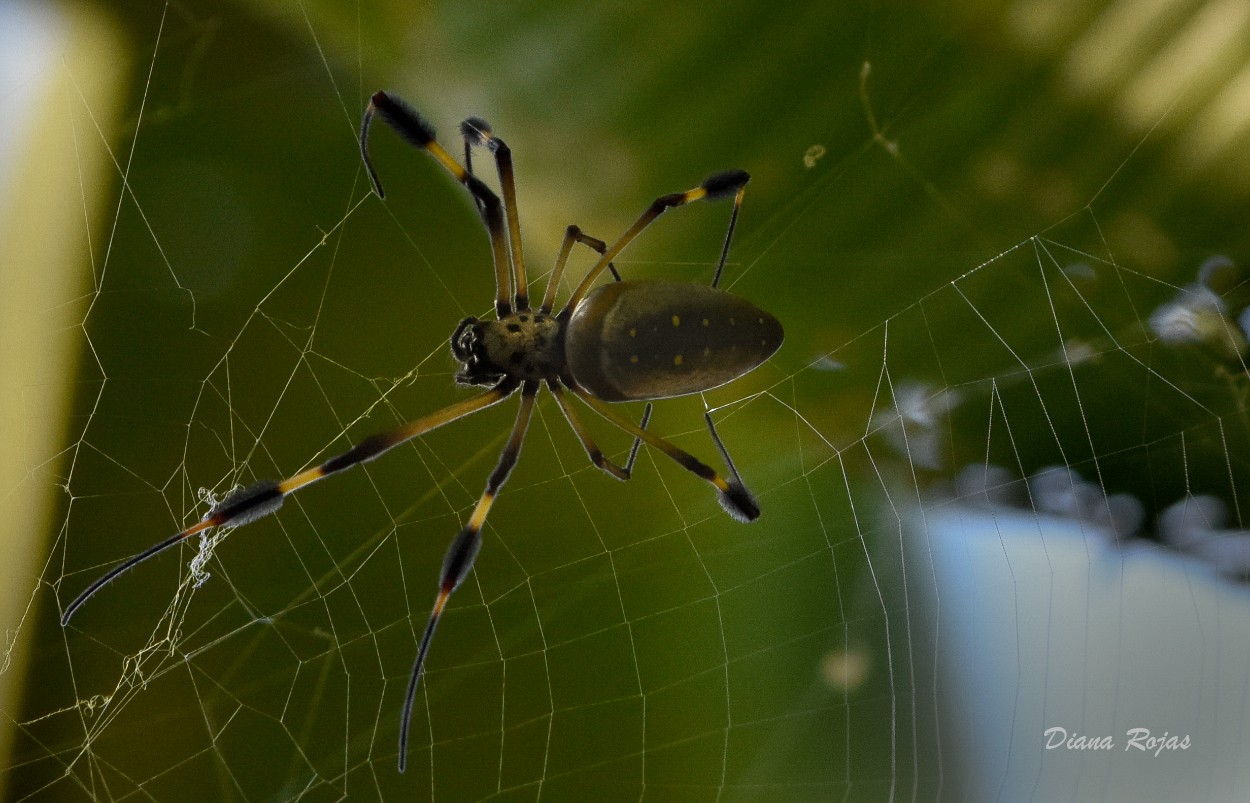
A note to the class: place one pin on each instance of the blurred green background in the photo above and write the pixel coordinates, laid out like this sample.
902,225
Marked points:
248,308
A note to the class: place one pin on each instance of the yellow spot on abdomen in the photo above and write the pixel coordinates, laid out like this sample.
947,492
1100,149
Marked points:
676,321
706,322
633,358
677,360
633,333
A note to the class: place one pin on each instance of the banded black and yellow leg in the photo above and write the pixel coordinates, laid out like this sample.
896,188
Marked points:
468,162
572,236
720,185
477,131
733,495
246,505
734,477
415,130
462,552
729,235
592,449
474,122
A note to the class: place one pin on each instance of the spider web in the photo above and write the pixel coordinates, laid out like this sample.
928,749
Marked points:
1000,456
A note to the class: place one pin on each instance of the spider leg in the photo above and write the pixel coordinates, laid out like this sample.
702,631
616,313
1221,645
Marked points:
734,496
462,552
735,477
246,505
477,122
418,132
730,182
592,449
477,131
729,234
572,236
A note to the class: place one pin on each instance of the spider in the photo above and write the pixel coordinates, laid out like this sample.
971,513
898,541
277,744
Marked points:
621,341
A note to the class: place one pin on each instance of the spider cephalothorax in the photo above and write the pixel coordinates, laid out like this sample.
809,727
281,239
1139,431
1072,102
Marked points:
526,345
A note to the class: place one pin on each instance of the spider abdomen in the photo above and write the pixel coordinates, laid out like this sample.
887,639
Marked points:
640,340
